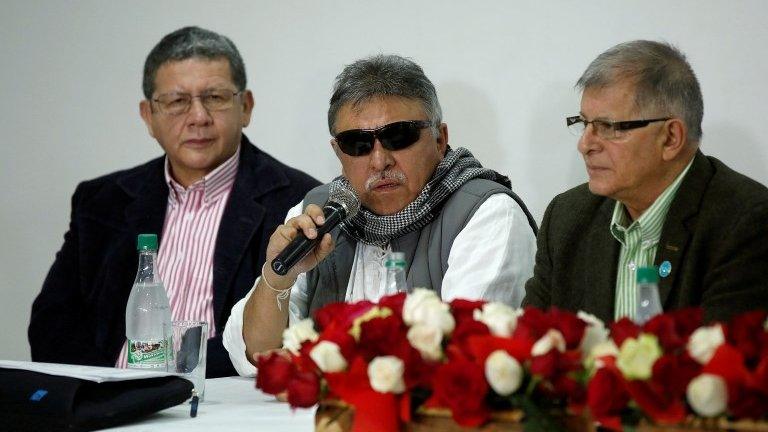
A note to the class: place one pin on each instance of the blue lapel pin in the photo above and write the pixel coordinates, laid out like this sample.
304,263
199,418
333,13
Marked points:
665,269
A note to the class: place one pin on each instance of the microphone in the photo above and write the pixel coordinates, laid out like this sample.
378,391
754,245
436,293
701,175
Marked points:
341,205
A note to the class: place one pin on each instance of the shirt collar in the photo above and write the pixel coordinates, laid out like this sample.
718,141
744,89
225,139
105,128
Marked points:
215,184
651,221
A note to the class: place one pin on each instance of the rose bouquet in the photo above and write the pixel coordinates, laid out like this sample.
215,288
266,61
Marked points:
413,354
388,360
674,367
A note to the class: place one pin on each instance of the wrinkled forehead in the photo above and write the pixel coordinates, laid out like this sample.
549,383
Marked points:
610,100
176,75
378,110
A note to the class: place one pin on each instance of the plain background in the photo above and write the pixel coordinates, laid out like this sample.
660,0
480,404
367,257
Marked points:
70,83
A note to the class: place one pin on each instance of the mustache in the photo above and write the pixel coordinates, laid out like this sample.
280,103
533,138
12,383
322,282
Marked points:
384,175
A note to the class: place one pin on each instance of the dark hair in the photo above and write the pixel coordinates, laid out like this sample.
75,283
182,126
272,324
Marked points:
384,75
664,81
191,42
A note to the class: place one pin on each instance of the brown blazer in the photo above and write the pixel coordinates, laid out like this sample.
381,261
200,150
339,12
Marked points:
715,236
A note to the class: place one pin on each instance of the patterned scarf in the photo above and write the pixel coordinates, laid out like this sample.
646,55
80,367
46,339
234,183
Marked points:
457,167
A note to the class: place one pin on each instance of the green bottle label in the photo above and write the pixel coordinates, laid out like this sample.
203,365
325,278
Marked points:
147,354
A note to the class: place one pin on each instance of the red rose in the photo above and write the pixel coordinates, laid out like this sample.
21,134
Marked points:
465,330
394,302
303,389
656,402
274,371
674,373
624,329
383,336
460,385
341,314
663,326
570,326
480,347
747,401
545,365
463,309
607,396
531,325
744,332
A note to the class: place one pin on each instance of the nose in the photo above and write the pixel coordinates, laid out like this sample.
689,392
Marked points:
198,115
380,158
588,141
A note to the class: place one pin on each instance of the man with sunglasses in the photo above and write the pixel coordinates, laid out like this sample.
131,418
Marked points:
653,199
213,199
464,233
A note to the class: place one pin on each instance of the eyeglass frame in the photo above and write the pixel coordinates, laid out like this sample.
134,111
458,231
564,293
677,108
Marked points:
191,98
615,126
420,124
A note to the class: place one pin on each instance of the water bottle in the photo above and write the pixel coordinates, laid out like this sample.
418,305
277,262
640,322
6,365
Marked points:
148,314
648,302
395,265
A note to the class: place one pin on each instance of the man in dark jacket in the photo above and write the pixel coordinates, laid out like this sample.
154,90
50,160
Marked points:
213,199
653,199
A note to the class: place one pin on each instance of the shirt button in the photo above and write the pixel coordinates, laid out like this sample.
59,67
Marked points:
631,266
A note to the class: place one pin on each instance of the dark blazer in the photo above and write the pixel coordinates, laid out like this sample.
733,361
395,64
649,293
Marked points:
715,236
79,316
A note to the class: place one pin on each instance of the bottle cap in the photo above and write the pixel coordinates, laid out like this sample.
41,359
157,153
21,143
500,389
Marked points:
395,259
147,242
647,275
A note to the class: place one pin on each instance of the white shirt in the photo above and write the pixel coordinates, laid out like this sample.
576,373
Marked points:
491,259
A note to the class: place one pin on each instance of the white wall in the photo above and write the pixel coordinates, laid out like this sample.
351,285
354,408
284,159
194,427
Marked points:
504,70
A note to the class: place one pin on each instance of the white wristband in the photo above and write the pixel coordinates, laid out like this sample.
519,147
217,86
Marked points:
281,294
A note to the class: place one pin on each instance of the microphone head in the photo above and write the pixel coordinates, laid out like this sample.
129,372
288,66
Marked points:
347,199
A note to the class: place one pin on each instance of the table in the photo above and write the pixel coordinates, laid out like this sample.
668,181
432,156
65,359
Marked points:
231,404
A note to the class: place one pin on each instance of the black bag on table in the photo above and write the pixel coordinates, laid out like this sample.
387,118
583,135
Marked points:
33,401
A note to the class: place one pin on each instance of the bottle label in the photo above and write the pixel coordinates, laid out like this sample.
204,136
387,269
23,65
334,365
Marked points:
147,354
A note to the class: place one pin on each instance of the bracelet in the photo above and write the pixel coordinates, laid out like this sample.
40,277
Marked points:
281,294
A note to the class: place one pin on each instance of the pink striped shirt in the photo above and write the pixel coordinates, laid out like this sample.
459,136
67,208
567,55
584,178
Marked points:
185,258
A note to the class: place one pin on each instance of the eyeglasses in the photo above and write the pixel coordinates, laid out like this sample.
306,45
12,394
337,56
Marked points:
180,103
607,129
394,136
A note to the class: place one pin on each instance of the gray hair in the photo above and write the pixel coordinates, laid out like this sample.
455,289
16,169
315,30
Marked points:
192,42
664,81
384,75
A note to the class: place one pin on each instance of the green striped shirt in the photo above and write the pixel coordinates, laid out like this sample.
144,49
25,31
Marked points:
639,240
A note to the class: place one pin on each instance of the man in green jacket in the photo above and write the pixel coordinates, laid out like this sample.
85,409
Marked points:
653,199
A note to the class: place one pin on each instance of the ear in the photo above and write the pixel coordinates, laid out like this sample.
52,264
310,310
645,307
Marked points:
336,148
145,110
675,139
247,108
442,140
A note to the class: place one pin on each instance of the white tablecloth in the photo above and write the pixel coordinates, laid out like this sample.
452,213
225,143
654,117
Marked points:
231,404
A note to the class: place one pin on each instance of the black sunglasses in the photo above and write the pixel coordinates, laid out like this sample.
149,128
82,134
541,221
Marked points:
394,136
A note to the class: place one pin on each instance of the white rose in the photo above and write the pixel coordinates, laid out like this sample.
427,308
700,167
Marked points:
500,318
423,306
327,356
704,342
637,356
386,374
299,333
594,335
503,372
552,339
707,395
427,340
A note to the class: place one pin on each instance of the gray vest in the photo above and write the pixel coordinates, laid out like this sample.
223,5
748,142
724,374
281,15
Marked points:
426,251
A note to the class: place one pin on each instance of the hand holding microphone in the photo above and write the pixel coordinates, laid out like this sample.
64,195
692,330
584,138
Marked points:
301,243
